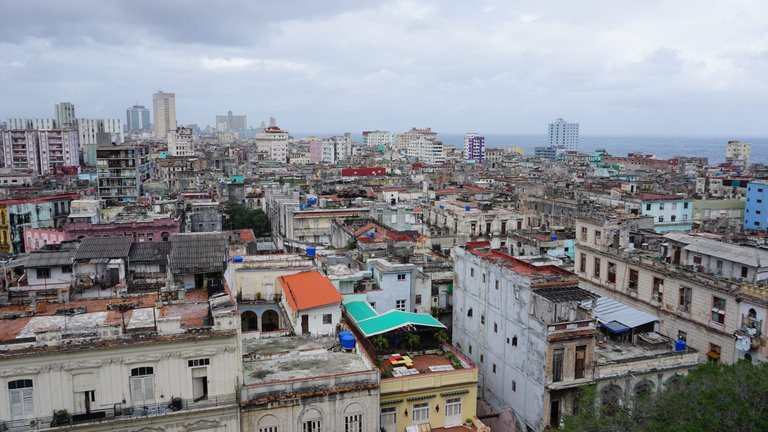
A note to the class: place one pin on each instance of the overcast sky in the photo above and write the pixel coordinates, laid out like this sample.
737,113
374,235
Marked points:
616,67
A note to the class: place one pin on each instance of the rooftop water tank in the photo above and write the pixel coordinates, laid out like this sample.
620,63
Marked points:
344,333
311,250
237,259
553,238
467,208
347,341
679,345
442,206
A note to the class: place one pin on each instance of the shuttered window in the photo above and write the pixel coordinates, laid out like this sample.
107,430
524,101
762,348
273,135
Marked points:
142,385
21,395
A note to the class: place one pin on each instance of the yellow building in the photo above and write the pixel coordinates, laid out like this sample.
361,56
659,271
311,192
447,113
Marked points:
424,382
5,234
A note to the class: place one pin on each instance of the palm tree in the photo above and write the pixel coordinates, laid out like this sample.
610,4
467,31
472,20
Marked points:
441,336
381,343
413,340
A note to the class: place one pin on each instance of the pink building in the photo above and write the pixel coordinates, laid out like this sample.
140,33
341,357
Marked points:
160,229
315,150
36,238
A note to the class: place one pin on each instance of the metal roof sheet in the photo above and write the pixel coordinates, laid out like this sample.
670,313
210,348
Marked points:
103,247
198,252
50,259
609,310
371,323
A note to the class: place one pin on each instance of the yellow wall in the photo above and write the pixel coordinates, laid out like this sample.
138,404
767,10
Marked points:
404,388
5,230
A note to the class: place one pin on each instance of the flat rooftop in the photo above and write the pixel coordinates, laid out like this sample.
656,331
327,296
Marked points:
297,357
521,267
609,352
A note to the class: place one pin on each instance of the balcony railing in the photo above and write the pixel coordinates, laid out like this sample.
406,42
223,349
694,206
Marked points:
117,413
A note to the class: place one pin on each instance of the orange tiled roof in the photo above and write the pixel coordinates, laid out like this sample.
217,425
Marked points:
307,290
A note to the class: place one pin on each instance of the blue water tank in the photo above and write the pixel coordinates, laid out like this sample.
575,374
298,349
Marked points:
680,345
347,341
371,234
302,206
442,206
312,201
344,333
467,208
553,238
237,259
311,250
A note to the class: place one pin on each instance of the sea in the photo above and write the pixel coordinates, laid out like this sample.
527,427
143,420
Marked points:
662,146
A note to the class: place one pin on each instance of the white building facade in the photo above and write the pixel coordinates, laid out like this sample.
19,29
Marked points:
564,135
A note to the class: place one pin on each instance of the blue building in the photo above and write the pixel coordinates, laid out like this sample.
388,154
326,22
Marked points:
669,212
756,210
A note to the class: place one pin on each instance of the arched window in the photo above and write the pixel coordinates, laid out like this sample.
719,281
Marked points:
311,421
353,418
610,397
643,389
165,236
469,312
268,423
514,340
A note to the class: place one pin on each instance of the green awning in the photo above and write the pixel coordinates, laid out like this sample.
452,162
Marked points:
371,323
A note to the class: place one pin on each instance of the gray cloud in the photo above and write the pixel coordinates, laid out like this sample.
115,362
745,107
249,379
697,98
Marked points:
495,66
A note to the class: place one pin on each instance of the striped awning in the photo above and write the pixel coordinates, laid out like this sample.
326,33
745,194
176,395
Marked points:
417,398
392,402
454,393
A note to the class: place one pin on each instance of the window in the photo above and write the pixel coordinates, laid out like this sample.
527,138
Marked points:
353,423
685,205
388,418
697,259
199,362
66,269
514,340
584,234
453,407
469,312
43,273
482,319
497,283
658,289
685,299
401,276
682,336
495,327
327,318
470,349
583,262
581,356
400,305
482,358
611,272
718,310
142,385
418,299
514,385
557,364
494,368
311,426
483,277
21,395
598,236
714,353
661,218
674,206
647,207
744,271
672,218
596,268
661,206
420,413
472,272
199,383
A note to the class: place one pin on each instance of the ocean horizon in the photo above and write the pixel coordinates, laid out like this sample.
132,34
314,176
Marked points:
662,146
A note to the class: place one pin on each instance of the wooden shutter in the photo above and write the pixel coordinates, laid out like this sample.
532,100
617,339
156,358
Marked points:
22,403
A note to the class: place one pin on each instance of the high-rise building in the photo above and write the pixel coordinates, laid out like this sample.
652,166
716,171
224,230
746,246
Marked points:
426,149
65,114
122,171
377,138
41,151
474,147
238,123
180,142
164,110
756,209
31,124
738,153
402,140
89,129
137,118
564,135
273,140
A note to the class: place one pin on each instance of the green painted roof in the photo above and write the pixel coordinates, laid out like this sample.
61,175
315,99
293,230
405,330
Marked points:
371,323
360,310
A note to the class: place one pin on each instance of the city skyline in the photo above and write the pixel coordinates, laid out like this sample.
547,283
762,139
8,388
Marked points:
629,69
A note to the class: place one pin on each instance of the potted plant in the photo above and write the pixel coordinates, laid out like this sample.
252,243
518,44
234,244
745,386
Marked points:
61,418
413,340
381,343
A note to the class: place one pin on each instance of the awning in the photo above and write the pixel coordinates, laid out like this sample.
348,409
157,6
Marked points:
371,323
615,327
609,310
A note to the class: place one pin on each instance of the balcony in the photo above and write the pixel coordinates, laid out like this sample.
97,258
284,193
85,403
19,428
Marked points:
117,413
751,326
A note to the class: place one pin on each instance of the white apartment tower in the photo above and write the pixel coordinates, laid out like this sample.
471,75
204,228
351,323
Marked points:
65,114
180,142
164,110
738,152
377,138
273,140
564,135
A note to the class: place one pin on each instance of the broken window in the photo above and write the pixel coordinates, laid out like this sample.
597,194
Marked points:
685,299
718,310
658,289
